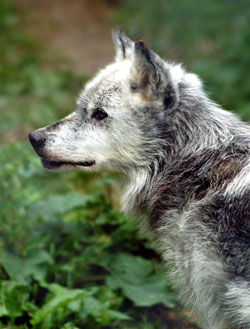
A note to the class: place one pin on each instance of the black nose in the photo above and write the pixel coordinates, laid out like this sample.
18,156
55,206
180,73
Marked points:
37,138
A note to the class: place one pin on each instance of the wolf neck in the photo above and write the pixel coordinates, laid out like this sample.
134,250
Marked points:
136,183
191,157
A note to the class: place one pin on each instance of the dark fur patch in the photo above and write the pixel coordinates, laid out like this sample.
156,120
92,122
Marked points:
55,125
195,178
140,46
134,88
121,41
123,46
170,97
229,219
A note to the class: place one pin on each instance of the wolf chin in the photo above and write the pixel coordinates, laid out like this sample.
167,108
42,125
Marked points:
186,171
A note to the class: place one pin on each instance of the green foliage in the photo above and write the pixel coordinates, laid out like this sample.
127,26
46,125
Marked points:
135,276
212,38
21,268
84,303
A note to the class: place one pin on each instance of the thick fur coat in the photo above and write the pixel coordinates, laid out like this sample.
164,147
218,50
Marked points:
185,164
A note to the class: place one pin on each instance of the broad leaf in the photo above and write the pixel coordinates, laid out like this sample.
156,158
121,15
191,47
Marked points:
21,269
135,276
57,204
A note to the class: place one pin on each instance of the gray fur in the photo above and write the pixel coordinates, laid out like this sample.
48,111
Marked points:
186,167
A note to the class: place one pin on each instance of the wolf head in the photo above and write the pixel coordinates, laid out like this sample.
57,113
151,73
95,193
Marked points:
120,117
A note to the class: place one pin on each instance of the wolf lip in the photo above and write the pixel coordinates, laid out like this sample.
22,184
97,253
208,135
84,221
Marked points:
56,164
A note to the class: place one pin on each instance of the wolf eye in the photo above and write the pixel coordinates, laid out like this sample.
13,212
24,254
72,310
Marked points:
99,114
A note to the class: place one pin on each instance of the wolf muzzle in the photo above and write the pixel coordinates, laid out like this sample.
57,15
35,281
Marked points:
38,139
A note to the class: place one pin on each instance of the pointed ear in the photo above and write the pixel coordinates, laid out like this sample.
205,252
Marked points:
150,78
145,75
144,68
123,45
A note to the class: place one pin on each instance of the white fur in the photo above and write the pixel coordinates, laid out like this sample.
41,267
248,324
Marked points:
240,183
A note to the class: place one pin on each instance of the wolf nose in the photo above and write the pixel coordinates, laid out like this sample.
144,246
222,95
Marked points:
37,138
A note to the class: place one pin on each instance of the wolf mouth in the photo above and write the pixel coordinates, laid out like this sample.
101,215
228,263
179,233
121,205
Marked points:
56,164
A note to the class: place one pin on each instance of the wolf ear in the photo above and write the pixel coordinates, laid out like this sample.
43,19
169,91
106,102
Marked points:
123,45
144,70
150,77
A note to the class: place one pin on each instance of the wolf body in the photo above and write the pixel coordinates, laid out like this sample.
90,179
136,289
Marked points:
186,167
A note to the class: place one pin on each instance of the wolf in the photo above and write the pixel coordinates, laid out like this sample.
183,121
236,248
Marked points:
185,168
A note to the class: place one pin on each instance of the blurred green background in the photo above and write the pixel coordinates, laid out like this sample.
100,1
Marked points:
68,257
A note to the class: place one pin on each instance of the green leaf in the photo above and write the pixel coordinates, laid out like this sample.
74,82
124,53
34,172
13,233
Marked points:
21,269
12,306
81,301
118,315
69,325
62,297
101,312
57,204
135,276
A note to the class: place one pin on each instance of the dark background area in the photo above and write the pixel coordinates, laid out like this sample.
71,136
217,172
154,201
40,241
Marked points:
68,258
